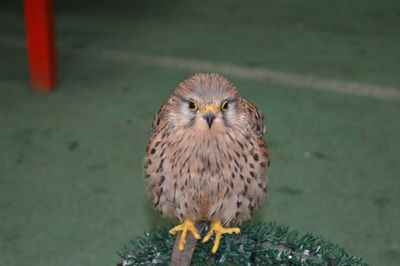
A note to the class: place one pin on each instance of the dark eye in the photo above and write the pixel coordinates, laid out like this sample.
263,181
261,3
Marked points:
224,106
192,106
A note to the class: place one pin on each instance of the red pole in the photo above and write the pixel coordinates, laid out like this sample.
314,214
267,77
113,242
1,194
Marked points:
40,43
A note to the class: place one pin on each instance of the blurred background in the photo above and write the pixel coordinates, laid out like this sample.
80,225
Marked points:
325,73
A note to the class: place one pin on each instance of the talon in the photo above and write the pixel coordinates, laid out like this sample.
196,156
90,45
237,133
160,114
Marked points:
186,226
217,227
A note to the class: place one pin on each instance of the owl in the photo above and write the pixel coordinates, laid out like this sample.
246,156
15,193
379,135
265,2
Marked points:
206,159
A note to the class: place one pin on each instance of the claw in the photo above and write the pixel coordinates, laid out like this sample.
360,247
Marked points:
187,225
217,227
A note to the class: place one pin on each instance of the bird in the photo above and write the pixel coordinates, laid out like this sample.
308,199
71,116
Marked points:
206,159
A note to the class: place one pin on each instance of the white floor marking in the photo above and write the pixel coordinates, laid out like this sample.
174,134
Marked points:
261,74
297,81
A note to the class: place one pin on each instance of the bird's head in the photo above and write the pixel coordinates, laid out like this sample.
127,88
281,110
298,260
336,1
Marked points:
205,102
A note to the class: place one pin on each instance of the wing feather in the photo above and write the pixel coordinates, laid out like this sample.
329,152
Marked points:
256,118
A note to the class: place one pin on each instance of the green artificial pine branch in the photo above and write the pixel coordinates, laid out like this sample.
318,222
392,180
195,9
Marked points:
258,244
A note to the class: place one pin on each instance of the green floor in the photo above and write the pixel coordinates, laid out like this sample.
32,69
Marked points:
71,182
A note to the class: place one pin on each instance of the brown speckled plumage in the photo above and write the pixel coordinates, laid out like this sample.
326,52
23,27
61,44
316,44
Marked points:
204,172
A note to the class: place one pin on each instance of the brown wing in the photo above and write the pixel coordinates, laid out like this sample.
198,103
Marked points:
158,117
256,118
256,121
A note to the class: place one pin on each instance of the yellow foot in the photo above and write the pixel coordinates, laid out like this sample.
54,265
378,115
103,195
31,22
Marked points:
217,227
187,225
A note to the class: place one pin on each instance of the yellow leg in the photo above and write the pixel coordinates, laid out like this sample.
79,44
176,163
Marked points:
187,225
217,227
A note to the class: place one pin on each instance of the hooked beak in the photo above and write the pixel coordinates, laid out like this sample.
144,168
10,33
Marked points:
209,111
209,117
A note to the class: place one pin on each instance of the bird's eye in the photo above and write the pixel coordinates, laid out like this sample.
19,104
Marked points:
192,106
224,106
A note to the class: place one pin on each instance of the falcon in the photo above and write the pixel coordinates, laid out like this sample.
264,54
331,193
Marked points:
206,159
